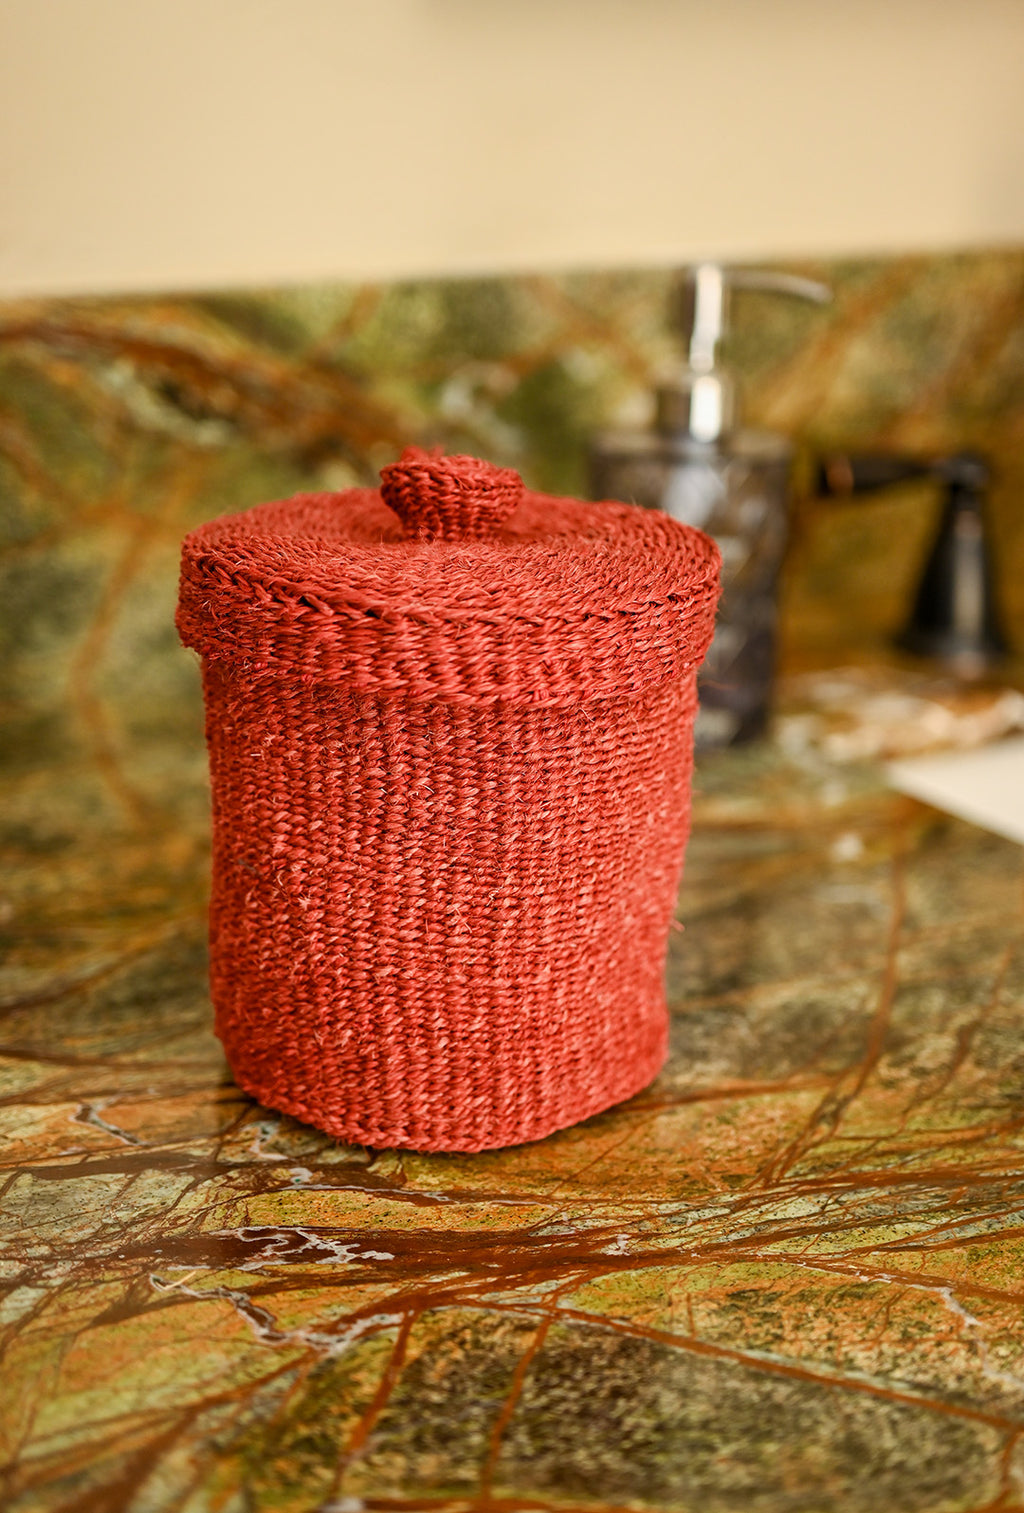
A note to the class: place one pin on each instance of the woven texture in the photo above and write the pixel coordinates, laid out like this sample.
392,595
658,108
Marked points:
450,740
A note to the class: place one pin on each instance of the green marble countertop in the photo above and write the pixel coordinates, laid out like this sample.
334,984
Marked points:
786,1277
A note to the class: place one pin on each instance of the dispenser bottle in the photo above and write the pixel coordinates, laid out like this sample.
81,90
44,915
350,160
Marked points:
698,466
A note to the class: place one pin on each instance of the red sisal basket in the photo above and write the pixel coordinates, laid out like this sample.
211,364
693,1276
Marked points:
450,730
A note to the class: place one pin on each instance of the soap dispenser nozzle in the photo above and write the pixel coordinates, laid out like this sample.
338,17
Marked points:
699,402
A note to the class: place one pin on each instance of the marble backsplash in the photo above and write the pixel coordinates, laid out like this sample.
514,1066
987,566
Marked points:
123,422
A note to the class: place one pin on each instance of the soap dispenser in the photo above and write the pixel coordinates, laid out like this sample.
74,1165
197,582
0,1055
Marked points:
700,467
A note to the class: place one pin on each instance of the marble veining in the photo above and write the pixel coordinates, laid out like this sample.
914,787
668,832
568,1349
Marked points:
785,1278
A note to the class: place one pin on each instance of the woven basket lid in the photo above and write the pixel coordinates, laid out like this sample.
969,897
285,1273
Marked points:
452,583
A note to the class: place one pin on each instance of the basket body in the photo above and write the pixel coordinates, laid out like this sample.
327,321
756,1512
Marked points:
437,927
451,792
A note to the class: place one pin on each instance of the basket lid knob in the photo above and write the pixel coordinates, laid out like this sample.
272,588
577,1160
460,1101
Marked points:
449,498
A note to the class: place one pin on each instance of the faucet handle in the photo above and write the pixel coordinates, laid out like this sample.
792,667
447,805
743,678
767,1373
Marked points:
845,474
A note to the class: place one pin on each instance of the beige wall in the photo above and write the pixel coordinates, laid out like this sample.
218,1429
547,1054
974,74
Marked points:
155,143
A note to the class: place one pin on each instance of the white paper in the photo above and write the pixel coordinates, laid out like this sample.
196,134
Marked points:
985,786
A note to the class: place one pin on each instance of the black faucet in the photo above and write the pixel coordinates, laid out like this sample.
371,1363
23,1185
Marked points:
954,618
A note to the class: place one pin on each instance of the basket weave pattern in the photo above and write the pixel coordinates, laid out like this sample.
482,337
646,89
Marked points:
442,885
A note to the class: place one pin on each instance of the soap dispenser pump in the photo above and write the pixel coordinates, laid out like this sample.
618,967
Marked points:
700,467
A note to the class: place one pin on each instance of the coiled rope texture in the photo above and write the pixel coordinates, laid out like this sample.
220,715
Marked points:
450,734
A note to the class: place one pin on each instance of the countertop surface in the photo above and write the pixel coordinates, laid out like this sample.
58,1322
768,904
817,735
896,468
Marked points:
787,1276
784,1279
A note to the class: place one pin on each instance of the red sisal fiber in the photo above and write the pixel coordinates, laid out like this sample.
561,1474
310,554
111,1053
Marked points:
450,730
